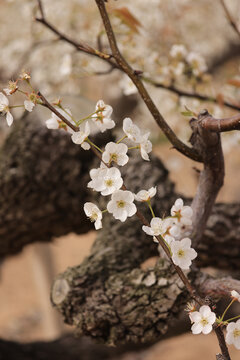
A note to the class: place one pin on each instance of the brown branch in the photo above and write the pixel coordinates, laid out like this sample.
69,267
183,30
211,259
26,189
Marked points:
126,68
221,125
230,18
52,108
195,95
40,5
211,178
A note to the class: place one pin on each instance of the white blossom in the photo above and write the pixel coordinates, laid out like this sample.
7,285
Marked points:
131,130
182,253
12,88
29,105
235,295
121,205
112,180
203,320
97,176
102,117
80,136
115,152
233,334
183,214
178,51
146,195
95,215
66,65
4,108
56,123
197,62
145,146
157,227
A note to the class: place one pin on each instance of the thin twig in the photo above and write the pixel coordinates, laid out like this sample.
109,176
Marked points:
195,95
230,18
40,5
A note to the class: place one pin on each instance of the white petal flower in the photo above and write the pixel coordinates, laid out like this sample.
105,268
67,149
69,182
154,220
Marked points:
97,176
183,214
121,205
182,253
29,105
94,213
178,52
12,88
145,146
115,152
102,117
197,62
233,334
80,136
4,108
146,195
131,130
157,227
112,181
235,295
56,123
203,320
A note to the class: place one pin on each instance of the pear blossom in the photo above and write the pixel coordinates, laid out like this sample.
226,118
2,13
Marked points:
94,213
145,146
102,116
112,180
203,320
235,295
80,136
197,63
56,123
24,75
178,51
115,152
146,195
121,205
12,88
183,214
97,176
233,334
131,130
4,108
182,253
29,105
157,227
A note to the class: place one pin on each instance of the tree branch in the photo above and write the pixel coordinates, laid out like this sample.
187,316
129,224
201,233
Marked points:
230,18
221,125
126,68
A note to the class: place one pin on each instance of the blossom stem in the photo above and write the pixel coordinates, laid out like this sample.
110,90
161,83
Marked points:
235,317
124,137
222,317
79,122
91,143
104,211
150,207
23,92
15,106
133,147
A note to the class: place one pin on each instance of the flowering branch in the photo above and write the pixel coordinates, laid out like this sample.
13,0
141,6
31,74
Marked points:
126,68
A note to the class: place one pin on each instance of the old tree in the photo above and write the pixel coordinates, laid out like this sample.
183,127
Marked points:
110,296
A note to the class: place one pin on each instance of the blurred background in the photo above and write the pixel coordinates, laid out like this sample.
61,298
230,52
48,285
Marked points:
146,38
